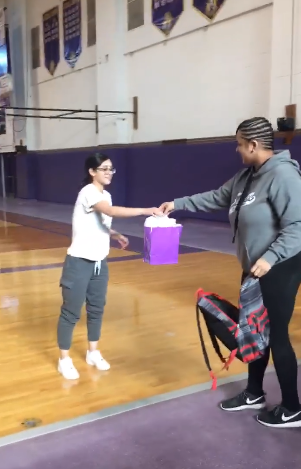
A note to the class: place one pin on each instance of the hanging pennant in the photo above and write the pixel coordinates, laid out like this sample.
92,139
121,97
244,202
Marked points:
51,36
72,20
165,14
208,8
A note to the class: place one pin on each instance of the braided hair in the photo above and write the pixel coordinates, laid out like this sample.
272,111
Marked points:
259,129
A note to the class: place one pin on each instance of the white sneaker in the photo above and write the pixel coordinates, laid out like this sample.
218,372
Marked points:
67,369
96,359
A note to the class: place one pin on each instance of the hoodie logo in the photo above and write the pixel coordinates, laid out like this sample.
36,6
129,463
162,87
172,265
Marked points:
248,201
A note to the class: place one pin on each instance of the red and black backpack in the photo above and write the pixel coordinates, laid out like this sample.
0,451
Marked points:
243,330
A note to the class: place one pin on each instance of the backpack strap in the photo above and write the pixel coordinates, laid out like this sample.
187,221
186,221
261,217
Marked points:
216,345
212,375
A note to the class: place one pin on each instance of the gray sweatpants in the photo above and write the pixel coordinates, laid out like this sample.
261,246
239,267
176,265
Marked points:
81,282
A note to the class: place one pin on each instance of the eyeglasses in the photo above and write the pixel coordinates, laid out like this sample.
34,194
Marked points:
107,169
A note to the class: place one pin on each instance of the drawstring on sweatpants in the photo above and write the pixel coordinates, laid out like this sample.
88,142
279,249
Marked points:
97,267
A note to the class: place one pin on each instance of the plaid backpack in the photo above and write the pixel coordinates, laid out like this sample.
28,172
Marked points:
244,330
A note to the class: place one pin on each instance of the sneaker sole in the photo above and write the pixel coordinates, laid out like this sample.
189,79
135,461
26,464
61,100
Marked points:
244,407
280,425
99,369
69,379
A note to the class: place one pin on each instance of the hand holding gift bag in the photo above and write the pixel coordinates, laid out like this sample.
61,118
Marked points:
161,240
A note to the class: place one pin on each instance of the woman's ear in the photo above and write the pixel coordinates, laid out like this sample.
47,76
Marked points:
254,146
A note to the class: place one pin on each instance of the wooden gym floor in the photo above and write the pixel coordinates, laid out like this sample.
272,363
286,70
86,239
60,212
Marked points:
149,334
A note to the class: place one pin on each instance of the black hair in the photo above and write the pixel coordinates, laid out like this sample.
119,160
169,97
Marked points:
260,129
93,162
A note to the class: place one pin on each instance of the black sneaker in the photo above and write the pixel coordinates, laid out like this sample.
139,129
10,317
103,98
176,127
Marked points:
280,417
243,401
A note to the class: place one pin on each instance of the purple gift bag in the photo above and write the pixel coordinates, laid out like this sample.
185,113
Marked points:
161,245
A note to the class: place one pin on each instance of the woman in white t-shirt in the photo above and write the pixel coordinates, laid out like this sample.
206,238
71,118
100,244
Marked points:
85,272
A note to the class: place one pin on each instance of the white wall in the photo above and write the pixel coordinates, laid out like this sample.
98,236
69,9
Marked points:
285,81
199,82
202,84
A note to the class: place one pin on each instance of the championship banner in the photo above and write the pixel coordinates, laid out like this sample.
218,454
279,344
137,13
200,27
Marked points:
165,14
208,8
72,20
51,34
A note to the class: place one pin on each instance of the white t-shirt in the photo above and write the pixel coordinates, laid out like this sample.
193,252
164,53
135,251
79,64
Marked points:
90,230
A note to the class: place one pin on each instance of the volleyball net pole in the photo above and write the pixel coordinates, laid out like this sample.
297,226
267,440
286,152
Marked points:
70,114
63,114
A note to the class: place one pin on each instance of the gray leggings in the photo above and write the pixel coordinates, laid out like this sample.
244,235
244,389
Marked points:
81,282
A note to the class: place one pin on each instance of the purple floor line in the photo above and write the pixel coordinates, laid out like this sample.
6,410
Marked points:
25,268
63,229
135,245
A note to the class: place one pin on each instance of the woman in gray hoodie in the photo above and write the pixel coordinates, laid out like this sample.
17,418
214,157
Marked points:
264,203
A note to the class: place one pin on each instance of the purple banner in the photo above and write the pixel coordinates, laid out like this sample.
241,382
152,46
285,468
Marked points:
208,8
51,33
165,14
72,20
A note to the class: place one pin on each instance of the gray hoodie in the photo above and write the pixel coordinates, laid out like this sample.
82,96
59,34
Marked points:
270,218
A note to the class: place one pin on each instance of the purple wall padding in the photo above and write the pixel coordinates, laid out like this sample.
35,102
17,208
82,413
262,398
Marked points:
56,177
26,170
146,176
160,174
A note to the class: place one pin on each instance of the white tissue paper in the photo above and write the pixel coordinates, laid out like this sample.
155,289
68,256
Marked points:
160,222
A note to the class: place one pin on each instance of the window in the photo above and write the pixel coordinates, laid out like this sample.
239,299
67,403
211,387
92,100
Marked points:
135,14
91,22
35,47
